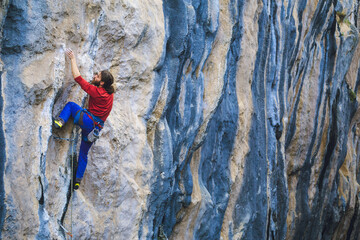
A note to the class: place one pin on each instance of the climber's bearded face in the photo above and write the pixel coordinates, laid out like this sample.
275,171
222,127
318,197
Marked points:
96,79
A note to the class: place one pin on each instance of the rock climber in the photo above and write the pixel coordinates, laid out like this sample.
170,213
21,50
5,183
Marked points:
101,92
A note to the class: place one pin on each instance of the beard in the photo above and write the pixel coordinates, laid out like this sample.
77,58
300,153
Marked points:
93,82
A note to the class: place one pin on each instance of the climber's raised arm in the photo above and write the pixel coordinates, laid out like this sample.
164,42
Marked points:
74,69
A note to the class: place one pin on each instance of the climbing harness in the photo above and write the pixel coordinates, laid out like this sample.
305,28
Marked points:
97,121
72,149
98,124
80,115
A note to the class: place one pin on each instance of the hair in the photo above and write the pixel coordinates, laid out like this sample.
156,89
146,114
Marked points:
108,80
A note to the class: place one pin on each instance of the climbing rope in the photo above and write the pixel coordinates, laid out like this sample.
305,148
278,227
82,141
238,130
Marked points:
66,139
72,150
72,182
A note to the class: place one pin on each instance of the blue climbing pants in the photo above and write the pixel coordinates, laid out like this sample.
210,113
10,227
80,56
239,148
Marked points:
71,109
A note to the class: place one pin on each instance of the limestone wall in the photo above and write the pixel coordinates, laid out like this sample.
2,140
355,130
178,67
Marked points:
232,119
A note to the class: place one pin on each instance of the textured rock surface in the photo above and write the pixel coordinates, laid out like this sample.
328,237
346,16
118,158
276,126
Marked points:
232,119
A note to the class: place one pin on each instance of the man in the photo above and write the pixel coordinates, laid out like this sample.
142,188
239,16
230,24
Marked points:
101,93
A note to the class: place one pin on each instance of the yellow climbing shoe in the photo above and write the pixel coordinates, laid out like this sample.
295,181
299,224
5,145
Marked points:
76,186
58,123
77,183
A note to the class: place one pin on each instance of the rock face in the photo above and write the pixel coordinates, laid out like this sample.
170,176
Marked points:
232,119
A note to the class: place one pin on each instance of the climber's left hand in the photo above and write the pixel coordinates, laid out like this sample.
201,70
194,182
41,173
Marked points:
70,53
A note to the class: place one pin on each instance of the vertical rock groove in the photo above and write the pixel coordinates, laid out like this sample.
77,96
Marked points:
2,158
3,12
253,192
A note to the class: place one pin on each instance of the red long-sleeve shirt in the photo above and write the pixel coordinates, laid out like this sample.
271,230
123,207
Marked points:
100,102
